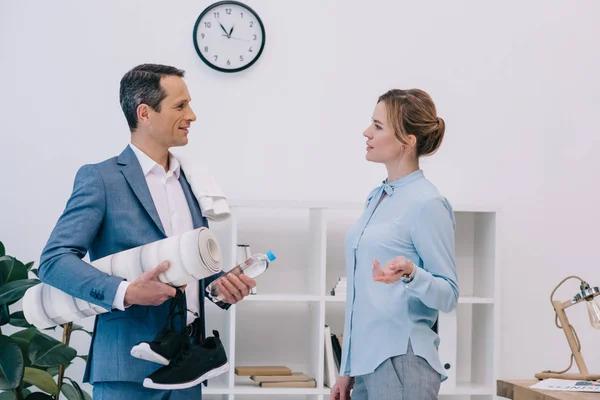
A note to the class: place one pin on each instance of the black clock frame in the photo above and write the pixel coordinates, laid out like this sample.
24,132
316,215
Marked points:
206,11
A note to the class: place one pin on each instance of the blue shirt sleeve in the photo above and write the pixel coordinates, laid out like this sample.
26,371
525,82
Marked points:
432,232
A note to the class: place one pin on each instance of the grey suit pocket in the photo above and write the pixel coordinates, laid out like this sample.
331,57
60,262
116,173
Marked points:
138,312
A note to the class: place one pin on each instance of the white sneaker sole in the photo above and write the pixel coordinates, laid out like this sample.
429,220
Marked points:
186,385
144,352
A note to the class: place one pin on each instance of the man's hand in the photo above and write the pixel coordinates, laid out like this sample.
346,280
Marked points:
234,288
148,290
393,270
341,389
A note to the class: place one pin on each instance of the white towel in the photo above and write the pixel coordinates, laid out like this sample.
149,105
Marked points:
211,198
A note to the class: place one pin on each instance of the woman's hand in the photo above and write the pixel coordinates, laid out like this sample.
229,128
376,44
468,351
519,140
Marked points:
342,387
393,270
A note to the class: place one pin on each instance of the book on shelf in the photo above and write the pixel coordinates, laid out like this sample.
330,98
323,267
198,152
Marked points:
300,384
340,287
295,377
262,370
331,369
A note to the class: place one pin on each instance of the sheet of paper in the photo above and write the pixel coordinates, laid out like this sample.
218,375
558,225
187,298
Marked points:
568,385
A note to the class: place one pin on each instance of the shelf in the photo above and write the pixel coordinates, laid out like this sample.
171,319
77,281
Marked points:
251,388
282,297
466,389
461,300
337,205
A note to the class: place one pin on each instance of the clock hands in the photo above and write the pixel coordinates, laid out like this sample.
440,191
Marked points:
236,38
231,31
224,30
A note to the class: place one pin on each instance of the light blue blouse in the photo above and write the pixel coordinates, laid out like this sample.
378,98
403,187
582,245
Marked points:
416,222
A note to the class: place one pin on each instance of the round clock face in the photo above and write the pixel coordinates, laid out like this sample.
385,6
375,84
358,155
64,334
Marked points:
229,36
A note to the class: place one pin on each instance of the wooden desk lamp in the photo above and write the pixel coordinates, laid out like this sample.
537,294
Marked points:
586,294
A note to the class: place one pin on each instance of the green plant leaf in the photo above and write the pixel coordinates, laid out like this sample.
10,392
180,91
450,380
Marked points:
52,370
84,395
26,334
35,272
11,364
80,328
12,269
84,358
39,396
24,346
13,291
2,250
4,314
29,265
18,319
46,351
43,380
70,392
11,395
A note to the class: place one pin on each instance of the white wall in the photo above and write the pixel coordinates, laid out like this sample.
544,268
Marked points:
517,83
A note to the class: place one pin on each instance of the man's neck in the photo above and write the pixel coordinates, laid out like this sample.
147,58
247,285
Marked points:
158,154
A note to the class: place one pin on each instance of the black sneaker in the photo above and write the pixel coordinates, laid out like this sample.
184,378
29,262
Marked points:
168,343
193,365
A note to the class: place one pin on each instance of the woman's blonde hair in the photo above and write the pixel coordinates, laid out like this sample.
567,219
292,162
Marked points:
412,112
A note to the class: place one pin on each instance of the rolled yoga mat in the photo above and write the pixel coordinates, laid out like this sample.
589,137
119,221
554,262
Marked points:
193,255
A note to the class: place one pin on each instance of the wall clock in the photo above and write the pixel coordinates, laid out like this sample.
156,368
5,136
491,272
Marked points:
229,36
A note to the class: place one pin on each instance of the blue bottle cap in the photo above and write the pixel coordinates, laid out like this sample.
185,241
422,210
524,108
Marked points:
271,256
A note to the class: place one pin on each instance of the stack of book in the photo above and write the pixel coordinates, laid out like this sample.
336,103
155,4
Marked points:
333,356
276,377
340,287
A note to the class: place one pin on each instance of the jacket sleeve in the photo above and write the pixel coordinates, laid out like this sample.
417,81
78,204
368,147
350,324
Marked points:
61,263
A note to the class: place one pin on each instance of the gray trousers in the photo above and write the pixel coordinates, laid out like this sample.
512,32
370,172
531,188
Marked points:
405,377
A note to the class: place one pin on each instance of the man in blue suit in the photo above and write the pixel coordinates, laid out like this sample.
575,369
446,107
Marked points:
139,197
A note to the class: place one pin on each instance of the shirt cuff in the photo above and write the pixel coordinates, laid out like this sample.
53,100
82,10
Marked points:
419,284
119,301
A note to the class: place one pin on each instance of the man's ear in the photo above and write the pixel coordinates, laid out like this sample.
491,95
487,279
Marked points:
143,113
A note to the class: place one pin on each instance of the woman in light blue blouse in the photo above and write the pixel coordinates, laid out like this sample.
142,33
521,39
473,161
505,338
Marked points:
389,349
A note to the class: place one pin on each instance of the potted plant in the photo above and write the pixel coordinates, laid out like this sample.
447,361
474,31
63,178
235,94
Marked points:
29,358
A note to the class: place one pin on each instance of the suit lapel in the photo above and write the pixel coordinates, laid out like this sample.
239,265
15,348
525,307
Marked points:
132,171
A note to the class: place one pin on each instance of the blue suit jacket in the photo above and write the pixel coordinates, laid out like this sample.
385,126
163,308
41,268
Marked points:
111,210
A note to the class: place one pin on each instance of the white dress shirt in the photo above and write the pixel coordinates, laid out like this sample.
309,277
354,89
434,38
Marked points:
174,213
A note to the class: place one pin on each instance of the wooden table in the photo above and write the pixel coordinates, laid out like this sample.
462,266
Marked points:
519,390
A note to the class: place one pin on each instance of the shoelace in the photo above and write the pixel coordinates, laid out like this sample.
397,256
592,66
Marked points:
182,355
176,304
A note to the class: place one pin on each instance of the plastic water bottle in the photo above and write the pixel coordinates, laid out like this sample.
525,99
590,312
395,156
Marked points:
252,267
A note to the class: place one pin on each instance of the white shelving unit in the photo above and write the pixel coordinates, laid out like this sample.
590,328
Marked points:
284,323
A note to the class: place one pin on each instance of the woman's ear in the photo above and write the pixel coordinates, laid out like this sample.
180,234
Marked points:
411,142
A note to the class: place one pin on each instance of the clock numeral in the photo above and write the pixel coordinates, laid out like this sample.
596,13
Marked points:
241,58
251,24
254,37
207,24
242,15
202,35
205,49
216,15
250,49
216,57
228,62
228,11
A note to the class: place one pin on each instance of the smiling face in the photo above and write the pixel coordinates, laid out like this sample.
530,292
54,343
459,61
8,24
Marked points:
169,126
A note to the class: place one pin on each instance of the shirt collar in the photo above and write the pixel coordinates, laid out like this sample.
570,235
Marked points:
390,187
148,164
